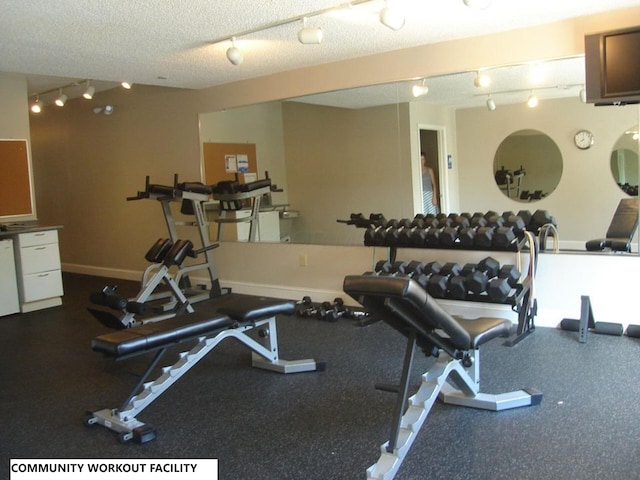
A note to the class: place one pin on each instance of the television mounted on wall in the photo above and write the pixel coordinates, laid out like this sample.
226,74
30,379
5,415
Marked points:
612,62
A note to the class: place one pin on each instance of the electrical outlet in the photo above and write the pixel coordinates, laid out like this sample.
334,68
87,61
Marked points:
304,260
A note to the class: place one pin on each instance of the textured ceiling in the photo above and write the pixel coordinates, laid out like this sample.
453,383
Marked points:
168,43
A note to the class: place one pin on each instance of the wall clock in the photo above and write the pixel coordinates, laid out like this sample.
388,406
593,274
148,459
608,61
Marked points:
583,139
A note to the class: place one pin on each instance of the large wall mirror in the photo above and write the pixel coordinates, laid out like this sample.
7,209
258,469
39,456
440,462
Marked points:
358,150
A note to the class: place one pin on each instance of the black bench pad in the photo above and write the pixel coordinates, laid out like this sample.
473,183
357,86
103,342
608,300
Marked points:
211,317
388,295
248,308
138,340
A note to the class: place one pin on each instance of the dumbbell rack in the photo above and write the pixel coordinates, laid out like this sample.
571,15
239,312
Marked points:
522,300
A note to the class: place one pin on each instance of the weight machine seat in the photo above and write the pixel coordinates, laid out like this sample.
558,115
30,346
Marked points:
621,230
407,307
212,316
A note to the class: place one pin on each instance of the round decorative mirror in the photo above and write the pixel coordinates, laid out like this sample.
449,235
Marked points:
624,162
527,166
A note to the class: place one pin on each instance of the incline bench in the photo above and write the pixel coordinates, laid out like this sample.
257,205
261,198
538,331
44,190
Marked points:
455,378
229,316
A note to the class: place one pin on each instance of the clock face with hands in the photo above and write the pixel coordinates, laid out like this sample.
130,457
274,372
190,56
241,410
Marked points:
583,139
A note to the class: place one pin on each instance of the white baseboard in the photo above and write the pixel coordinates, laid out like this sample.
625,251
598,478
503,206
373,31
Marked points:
102,271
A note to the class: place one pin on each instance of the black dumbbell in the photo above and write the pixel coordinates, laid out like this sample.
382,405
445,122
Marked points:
429,269
438,283
303,305
499,287
483,238
475,280
332,312
490,266
540,218
414,268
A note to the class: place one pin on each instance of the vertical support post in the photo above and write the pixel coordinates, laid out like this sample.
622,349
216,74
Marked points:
403,392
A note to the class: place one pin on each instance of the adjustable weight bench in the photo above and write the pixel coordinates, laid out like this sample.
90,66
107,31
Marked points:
455,377
229,316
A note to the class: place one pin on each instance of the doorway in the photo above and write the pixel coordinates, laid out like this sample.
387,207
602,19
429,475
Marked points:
430,144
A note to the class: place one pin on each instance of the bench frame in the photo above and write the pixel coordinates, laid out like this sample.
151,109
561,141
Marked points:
264,355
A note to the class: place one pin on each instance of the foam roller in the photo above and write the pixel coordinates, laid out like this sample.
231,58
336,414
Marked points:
602,328
633,331
108,300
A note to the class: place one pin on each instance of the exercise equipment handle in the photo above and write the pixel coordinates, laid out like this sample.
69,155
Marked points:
195,253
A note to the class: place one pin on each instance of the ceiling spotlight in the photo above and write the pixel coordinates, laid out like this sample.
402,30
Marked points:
108,109
421,89
88,94
491,104
479,4
61,100
391,17
36,106
482,80
532,101
309,35
126,85
234,54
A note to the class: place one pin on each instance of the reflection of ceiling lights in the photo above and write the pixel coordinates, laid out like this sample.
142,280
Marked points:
482,80
61,100
491,104
421,89
36,106
89,92
106,110
532,101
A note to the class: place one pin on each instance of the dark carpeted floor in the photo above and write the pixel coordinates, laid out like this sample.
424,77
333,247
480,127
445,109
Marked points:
320,425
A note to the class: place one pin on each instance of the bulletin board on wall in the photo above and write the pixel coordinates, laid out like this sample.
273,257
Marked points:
222,161
15,180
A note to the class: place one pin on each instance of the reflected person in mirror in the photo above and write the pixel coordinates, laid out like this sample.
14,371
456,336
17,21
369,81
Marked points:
429,188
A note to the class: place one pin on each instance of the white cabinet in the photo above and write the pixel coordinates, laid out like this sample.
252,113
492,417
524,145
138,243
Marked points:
8,284
38,270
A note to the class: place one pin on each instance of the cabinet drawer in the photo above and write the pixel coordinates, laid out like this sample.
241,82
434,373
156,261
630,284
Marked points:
40,258
37,238
38,286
